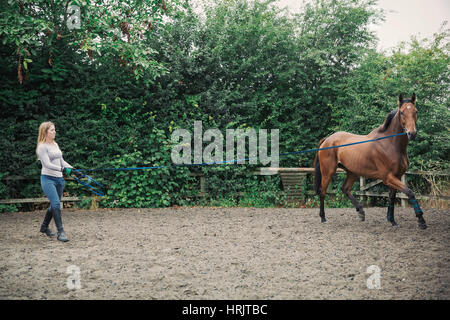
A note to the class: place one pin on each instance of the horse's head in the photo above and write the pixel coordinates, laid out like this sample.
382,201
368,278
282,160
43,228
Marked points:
408,115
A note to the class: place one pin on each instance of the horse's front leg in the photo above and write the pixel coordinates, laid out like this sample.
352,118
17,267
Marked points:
390,213
417,210
394,182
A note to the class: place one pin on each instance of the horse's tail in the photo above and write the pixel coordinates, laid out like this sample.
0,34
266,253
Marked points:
317,173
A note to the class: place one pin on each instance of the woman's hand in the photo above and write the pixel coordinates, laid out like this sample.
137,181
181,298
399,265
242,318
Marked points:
68,171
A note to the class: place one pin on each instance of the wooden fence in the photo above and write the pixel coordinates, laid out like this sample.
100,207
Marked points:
75,199
293,180
32,200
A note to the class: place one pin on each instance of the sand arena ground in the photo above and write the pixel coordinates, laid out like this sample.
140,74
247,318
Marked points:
226,253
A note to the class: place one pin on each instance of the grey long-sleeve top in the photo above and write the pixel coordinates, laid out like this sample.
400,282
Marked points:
51,159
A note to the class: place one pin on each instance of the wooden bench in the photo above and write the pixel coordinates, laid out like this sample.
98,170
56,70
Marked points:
36,200
294,180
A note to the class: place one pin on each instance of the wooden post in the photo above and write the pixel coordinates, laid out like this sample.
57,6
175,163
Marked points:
403,201
362,184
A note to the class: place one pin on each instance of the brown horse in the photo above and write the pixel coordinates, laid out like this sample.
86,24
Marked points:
384,159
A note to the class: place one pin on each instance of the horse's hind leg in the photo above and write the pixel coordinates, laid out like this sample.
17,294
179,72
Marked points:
325,182
390,213
326,179
347,189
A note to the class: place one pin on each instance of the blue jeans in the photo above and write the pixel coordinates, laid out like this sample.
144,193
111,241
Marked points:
53,188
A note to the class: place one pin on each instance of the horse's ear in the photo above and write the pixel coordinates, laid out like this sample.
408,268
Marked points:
400,99
413,98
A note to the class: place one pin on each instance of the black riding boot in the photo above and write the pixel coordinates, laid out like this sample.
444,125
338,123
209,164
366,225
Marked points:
58,221
44,227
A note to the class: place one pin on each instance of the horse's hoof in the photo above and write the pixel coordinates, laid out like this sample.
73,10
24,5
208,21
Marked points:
323,220
362,217
422,226
394,225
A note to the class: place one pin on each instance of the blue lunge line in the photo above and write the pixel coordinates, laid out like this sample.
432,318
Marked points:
229,161
91,188
343,145
100,193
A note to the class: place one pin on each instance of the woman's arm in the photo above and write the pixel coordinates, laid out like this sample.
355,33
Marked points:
65,164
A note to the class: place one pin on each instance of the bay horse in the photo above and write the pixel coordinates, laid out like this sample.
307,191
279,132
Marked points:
384,159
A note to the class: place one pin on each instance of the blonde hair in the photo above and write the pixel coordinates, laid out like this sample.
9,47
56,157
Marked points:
43,129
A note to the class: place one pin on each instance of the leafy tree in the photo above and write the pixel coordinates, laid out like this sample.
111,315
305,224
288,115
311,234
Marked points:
373,90
103,31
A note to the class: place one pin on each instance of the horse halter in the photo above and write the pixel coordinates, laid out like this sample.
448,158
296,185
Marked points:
400,113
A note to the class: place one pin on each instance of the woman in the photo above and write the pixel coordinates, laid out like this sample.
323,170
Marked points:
52,181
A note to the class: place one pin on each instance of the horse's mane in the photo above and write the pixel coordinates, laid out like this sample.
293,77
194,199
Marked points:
388,120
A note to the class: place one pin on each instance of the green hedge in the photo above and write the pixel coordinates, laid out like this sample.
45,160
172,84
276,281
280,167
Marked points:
244,64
